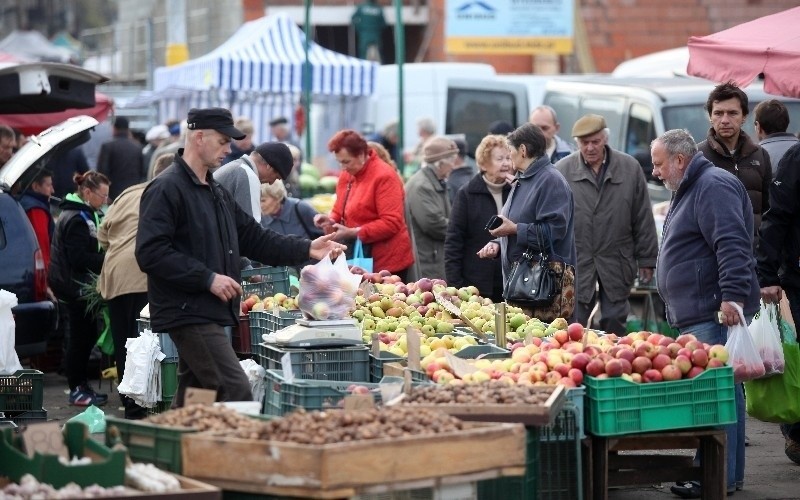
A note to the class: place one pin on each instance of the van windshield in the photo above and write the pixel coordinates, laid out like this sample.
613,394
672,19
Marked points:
694,118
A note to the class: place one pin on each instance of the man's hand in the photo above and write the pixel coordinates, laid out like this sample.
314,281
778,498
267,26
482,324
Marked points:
324,245
771,294
730,316
645,275
504,229
323,222
489,251
225,287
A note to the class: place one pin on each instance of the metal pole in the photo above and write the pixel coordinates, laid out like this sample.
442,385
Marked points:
400,57
307,82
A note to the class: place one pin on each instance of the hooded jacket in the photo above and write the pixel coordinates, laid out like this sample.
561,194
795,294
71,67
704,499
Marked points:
37,208
706,249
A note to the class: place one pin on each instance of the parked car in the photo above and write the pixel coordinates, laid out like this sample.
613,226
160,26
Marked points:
35,88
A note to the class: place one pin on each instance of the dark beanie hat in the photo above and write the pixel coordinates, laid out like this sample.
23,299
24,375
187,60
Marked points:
500,127
278,156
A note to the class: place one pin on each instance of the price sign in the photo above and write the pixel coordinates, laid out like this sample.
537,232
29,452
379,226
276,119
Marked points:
359,402
45,439
413,342
286,365
459,366
197,396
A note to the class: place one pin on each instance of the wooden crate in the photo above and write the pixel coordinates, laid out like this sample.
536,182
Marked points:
353,464
190,488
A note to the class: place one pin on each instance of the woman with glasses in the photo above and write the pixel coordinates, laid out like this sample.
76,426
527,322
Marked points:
75,256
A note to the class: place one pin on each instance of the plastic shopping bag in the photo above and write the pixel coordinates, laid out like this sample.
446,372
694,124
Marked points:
774,399
767,338
142,379
255,375
359,260
742,353
328,289
93,418
9,362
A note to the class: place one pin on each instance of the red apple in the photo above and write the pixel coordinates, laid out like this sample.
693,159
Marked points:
686,337
695,371
685,352
694,344
645,349
660,361
683,363
636,378
671,372
652,375
666,341
580,361
719,352
641,364
700,357
575,331
626,366
591,350
552,377
595,367
714,363
561,336
655,338
614,368
576,375
627,354
625,341
567,382
673,348
562,368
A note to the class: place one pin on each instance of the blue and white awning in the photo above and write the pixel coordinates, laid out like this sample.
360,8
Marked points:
267,56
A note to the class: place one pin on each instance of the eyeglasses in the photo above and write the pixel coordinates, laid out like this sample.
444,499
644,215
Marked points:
101,195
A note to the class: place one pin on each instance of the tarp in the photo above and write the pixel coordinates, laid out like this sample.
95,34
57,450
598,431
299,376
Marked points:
769,45
30,124
267,56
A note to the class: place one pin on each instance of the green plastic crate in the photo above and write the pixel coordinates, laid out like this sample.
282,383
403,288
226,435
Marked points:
516,487
337,363
265,281
264,322
282,397
616,406
487,351
21,392
169,379
146,442
376,367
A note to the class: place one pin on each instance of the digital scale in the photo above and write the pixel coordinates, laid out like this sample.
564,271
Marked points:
313,333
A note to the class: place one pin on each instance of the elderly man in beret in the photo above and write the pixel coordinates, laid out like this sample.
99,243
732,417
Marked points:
615,233
190,235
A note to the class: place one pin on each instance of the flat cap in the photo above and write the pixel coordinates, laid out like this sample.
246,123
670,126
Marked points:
588,125
278,121
438,148
218,119
278,156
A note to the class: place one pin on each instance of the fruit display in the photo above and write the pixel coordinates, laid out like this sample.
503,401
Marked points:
397,343
327,289
324,427
201,418
491,392
280,301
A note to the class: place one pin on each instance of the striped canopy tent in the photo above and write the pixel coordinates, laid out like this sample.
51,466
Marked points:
258,73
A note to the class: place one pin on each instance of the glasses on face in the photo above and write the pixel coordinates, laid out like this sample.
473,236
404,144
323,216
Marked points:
100,195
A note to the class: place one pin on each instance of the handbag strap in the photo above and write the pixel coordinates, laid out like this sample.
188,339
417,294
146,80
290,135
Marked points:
543,239
358,250
300,218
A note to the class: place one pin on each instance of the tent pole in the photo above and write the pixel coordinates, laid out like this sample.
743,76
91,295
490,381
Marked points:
307,82
400,57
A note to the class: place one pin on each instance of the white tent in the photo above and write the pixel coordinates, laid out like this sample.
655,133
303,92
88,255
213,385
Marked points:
258,73
31,45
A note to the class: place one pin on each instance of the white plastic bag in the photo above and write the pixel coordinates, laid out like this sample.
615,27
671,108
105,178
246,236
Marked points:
328,289
142,379
742,353
9,362
256,376
767,339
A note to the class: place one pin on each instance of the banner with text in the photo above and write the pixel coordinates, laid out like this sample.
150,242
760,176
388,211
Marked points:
509,26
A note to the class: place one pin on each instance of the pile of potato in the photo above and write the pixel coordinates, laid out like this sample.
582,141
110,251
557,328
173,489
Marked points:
202,418
491,392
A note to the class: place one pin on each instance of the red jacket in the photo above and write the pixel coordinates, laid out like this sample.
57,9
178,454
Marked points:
376,203
41,221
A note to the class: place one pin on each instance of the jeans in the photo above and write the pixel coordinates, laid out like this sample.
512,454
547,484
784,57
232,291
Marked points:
792,431
714,333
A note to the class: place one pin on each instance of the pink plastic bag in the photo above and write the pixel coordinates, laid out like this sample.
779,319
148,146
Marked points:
742,353
767,339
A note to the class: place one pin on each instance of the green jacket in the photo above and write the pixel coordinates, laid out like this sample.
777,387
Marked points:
429,206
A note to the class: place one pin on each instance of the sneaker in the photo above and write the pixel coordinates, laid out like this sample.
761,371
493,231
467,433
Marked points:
693,489
84,396
746,440
792,450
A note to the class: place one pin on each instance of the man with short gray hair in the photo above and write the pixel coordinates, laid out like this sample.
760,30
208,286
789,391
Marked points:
615,233
706,267
545,118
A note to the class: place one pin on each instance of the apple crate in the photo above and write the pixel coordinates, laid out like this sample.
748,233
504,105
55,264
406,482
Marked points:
617,406
146,442
265,281
334,363
282,397
22,392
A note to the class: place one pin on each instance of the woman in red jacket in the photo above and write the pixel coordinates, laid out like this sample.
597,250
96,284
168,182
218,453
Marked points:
369,205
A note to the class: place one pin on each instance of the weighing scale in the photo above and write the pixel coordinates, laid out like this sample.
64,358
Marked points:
313,333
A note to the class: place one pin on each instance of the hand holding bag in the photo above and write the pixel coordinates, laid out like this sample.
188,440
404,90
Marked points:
767,338
742,353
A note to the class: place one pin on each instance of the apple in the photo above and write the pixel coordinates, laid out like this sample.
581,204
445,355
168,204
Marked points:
700,357
595,367
673,348
686,337
567,382
684,352
645,348
694,344
575,331
591,351
580,361
655,338
625,341
552,377
660,361
683,363
636,378
652,375
714,363
576,375
614,368
626,366
627,354
718,352
641,364
424,284
561,336
695,371
671,372
562,368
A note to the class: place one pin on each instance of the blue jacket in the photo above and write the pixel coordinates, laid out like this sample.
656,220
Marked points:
706,249
540,194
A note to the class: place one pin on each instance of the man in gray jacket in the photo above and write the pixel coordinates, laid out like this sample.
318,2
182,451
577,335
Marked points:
243,177
615,233
771,123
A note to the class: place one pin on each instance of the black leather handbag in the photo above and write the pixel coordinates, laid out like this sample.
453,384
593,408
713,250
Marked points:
534,282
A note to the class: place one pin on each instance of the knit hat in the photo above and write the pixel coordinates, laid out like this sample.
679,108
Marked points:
278,156
157,132
438,148
588,125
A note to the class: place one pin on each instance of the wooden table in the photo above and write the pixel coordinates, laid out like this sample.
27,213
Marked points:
607,468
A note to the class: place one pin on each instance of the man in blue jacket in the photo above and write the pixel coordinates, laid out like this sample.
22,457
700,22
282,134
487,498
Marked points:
706,268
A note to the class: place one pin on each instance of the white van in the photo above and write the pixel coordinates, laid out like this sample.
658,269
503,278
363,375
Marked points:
460,98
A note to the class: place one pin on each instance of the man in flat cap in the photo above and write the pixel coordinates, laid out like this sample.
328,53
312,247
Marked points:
279,128
615,233
267,163
191,232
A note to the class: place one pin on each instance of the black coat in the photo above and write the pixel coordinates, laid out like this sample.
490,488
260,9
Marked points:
189,231
121,160
472,208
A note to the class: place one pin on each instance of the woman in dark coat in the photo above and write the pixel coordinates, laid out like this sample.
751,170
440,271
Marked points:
475,203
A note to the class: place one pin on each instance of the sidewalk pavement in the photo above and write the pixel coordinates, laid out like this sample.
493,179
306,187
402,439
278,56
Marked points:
769,474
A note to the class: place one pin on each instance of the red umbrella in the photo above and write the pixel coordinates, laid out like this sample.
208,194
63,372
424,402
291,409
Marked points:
769,45
30,124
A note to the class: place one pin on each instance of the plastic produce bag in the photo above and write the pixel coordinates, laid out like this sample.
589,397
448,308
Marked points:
767,339
93,418
328,289
743,356
142,379
9,362
256,375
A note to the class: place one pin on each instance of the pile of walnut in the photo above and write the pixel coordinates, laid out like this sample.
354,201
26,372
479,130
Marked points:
30,488
336,426
201,418
492,392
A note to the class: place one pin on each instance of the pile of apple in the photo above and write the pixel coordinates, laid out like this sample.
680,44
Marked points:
280,301
397,344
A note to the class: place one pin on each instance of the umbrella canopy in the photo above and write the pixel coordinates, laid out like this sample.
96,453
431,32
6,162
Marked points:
769,45
30,124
